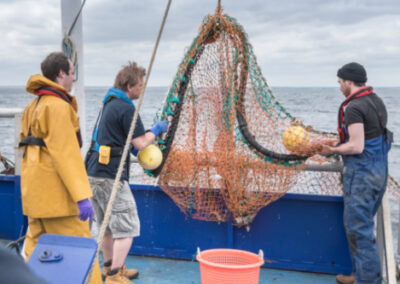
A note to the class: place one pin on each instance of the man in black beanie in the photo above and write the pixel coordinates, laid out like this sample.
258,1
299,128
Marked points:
364,145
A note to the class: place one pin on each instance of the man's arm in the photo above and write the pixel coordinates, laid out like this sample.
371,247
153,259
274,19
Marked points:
143,141
354,146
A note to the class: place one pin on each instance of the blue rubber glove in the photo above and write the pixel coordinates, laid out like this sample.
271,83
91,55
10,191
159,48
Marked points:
160,127
85,210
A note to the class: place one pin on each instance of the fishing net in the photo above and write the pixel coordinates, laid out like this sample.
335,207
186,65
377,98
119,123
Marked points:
223,153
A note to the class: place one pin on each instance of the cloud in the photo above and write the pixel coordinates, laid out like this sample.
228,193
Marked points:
297,43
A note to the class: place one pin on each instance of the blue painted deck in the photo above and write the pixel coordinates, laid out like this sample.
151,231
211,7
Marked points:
170,271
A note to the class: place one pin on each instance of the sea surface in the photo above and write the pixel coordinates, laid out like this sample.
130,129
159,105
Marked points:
316,106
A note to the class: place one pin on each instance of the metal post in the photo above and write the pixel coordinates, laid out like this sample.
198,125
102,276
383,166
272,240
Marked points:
380,238
17,150
398,247
69,10
385,241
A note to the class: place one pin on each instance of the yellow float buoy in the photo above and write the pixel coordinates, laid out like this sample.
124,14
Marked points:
150,157
295,138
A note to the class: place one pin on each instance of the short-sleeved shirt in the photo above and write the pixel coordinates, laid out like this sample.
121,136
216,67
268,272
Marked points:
113,129
366,110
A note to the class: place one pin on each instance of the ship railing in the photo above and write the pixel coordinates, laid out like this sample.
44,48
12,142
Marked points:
15,113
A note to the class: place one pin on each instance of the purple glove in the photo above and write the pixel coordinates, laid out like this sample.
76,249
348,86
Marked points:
85,210
160,127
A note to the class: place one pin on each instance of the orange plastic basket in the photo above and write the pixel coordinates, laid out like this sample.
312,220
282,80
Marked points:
229,266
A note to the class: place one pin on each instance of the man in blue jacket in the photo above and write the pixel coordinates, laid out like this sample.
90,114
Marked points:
102,162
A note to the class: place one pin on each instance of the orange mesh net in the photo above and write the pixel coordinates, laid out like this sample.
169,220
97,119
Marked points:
223,153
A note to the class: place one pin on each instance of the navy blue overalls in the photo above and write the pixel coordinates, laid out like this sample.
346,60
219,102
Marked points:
364,183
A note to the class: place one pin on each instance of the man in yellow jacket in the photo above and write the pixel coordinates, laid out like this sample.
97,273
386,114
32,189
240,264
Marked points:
55,188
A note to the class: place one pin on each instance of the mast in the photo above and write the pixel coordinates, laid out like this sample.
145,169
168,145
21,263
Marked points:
72,45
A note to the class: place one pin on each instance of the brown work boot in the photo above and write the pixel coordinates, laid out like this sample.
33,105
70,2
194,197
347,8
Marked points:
117,278
345,279
104,272
128,273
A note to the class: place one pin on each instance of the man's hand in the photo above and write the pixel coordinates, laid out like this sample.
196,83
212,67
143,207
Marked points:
326,150
354,146
85,210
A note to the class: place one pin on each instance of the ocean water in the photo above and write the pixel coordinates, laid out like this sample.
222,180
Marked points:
316,106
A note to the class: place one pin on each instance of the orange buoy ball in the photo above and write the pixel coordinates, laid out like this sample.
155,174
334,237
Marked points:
150,157
295,138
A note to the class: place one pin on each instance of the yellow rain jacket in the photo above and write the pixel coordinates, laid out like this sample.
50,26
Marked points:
53,178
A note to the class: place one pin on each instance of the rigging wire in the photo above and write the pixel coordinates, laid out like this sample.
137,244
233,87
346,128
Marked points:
76,18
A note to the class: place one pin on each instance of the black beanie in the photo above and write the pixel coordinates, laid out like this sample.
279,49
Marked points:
353,72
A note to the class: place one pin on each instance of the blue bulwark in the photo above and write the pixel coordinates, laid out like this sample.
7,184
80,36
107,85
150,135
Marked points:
12,223
297,232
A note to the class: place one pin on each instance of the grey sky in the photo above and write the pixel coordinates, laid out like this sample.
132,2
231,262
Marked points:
297,43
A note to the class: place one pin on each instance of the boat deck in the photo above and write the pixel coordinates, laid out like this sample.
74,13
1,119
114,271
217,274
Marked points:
154,270
171,271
